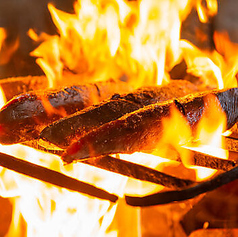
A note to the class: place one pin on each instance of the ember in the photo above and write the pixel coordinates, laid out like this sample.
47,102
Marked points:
75,144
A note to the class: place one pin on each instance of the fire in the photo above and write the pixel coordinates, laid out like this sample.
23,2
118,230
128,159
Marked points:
229,60
46,208
136,187
177,133
6,49
48,56
138,41
113,39
205,12
201,65
207,137
209,133
3,36
208,130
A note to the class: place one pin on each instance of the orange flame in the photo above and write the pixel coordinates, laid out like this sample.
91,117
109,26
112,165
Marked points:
207,138
140,41
209,133
6,49
50,210
229,60
50,110
116,38
48,56
205,12
212,124
3,36
200,64
217,69
177,133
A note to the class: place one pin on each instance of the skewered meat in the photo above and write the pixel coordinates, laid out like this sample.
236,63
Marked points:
62,132
23,117
141,130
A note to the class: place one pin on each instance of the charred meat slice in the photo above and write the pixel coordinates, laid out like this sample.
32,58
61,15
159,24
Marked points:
62,132
141,130
23,117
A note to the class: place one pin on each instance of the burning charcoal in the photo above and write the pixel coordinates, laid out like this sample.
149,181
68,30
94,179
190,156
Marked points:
23,117
141,130
64,131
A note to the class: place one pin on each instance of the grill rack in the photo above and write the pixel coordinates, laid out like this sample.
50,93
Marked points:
182,189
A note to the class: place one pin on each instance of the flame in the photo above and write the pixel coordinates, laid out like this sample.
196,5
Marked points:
218,68
48,56
136,187
209,133
6,48
49,210
208,130
138,41
177,133
113,39
201,65
228,60
3,36
50,110
205,12
3,98
207,137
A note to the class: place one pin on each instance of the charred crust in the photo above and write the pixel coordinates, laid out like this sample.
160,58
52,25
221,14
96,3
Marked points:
98,90
116,96
180,107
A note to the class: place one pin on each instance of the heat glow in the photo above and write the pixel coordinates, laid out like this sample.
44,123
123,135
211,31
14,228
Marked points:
138,41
